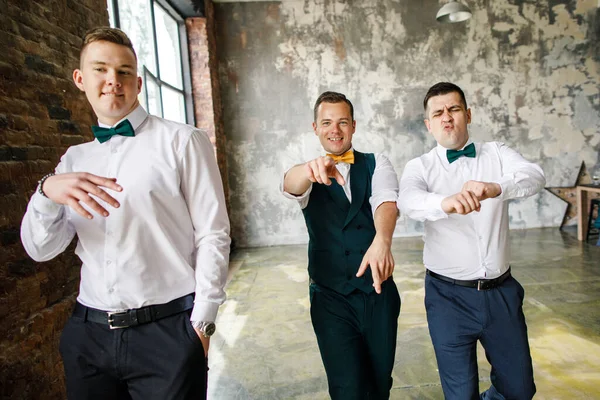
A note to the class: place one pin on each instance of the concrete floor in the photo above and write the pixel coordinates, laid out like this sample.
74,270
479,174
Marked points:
265,347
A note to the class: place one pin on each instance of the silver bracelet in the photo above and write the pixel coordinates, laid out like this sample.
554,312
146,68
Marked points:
41,183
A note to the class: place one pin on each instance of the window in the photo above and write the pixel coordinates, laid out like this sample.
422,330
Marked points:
158,36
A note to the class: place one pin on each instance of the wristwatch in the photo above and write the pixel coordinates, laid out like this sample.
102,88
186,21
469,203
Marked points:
206,328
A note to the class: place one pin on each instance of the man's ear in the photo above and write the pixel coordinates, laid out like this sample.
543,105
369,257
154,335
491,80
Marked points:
314,124
78,79
427,124
468,115
139,84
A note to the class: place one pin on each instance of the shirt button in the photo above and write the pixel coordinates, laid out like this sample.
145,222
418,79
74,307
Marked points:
347,252
111,290
480,237
108,262
114,151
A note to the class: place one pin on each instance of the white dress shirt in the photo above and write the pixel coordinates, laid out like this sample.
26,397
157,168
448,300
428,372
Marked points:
384,184
168,238
475,245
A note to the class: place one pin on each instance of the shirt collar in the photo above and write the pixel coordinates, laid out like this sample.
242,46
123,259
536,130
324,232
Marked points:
441,151
136,117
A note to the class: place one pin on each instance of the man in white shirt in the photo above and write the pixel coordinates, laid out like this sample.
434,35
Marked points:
146,202
350,220
461,190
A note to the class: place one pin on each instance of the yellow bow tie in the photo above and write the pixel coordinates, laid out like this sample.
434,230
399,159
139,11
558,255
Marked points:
347,157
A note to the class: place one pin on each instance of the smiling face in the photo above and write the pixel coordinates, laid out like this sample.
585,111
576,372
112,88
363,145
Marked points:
108,76
334,127
447,120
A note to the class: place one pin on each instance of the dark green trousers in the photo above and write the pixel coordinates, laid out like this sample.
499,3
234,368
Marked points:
357,339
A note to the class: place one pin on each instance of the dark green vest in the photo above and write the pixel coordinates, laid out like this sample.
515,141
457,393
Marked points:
340,233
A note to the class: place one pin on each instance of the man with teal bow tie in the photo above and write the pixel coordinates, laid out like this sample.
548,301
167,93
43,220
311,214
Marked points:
348,202
146,202
460,189
123,128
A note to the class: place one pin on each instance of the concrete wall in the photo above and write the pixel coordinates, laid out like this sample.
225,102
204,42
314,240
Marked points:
530,70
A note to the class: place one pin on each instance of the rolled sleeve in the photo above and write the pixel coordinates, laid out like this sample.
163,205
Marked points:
301,199
384,183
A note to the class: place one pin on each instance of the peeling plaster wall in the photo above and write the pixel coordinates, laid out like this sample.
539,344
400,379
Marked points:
530,71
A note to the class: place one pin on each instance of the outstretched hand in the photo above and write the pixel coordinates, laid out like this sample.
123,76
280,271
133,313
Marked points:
470,197
321,169
463,202
483,190
74,188
379,258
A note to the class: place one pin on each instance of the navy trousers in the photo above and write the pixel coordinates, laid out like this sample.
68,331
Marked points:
458,317
160,360
357,340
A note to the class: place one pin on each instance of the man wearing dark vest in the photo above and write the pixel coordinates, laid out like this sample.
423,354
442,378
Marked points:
350,221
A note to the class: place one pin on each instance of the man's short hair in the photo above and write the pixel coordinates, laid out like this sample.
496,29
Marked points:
333,97
442,88
107,34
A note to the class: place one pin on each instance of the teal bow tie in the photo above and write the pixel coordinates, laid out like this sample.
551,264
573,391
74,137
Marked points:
454,155
124,128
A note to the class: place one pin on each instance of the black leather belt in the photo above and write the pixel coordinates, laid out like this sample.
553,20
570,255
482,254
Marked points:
136,316
480,284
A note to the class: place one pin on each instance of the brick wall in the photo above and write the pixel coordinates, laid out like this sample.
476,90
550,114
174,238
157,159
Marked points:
41,114
206,91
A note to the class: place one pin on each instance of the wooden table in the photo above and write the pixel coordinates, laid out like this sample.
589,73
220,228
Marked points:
583,208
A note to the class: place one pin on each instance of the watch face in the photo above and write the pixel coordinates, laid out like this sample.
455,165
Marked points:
209,329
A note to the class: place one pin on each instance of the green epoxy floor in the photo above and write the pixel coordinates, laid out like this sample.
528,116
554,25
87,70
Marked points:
265,347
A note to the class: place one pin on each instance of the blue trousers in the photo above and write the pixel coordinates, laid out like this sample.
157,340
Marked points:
458,317
357,340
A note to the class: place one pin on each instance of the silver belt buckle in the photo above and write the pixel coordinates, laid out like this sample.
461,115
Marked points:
111,319
479,284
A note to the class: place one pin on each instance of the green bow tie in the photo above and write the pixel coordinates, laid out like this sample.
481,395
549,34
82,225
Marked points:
103,134
454,155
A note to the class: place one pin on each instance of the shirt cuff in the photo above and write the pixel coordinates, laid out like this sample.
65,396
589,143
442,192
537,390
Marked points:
507,185
390,196
434,203
204,311
44,206
301,198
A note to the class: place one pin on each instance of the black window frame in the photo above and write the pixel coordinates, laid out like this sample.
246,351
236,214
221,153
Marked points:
186,91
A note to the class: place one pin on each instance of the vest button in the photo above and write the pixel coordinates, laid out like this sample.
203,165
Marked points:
359,227
347,252
362,252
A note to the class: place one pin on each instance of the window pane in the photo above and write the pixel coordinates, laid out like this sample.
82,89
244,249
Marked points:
111,14
142,96
136,22
167,36
153,96
173,104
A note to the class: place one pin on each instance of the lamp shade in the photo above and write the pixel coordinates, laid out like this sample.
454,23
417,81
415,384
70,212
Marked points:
453,12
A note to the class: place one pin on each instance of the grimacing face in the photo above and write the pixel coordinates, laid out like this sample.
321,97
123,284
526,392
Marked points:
334,127
447,120
108,76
